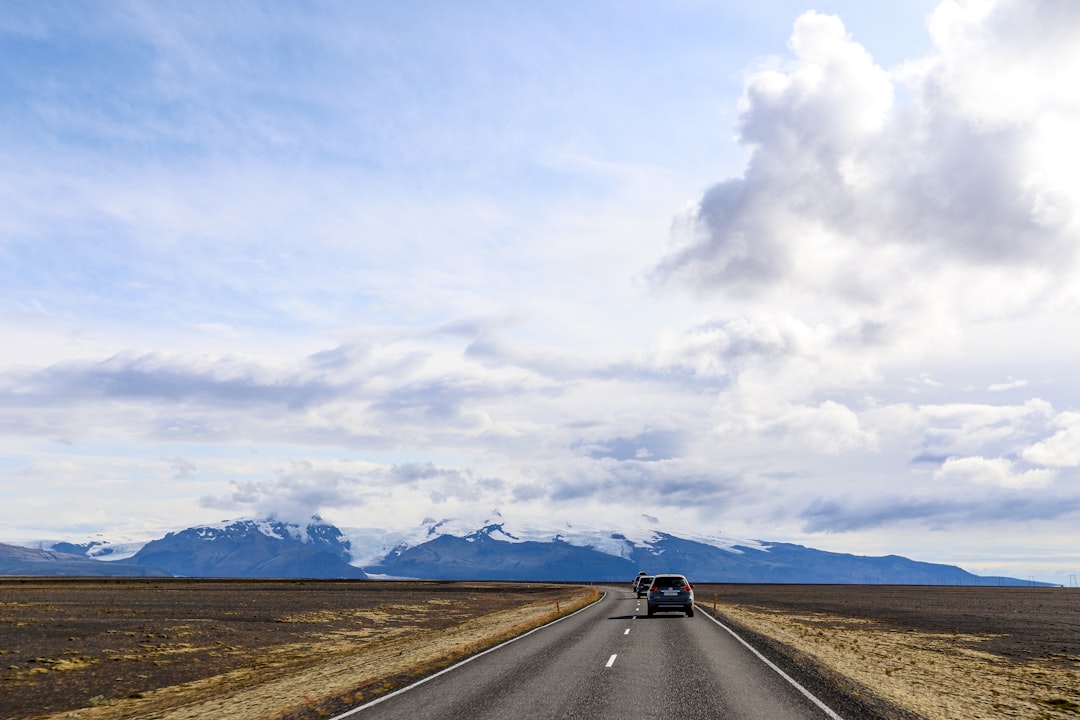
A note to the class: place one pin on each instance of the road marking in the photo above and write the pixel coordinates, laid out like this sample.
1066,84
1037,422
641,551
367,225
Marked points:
418,683
824,708
611,660
627,631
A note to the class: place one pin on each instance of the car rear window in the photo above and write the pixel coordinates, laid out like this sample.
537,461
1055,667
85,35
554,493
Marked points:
670,582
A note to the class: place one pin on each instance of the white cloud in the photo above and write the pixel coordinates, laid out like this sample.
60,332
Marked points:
413,271
998,472
935,432
1010,385
1028,58
1062,449
916,217
830,428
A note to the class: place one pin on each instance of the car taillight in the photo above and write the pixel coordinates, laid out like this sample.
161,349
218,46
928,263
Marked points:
686,587
655,587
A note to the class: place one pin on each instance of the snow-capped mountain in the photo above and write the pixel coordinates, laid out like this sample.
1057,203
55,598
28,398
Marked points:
370,547
20,560
494,548
100,546
254,549
451,550
101,550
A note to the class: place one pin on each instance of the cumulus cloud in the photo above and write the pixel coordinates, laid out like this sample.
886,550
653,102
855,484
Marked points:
959,429
884,213
299,492
870,191
1028,52
830,428
1062,449
999,472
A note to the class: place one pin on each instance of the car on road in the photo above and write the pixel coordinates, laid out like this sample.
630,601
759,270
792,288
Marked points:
634,582
643,584
669,592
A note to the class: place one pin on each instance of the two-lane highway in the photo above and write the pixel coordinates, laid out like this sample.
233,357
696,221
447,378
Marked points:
608,661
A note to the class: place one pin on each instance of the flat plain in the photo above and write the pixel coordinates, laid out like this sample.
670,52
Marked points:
934,652
177,648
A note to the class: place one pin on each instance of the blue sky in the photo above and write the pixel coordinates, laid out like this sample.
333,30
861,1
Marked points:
803,272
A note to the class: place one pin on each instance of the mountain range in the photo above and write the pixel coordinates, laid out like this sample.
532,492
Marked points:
458,550
18,560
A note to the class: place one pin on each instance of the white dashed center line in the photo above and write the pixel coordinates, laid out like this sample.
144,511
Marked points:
627,631
611,660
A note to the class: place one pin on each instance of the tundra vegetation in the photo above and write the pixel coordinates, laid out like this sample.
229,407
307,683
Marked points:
179,649
940,653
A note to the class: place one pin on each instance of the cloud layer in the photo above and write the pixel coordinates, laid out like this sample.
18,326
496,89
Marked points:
396,279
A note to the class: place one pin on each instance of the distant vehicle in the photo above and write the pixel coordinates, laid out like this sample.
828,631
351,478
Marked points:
634,582
670,593
643,585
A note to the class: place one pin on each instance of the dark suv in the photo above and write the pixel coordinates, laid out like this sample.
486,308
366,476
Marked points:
671,593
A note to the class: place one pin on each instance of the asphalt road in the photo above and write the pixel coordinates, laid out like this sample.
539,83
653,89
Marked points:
609,661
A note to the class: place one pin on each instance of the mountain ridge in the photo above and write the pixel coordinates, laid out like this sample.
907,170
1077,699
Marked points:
253,548
493,549
19,560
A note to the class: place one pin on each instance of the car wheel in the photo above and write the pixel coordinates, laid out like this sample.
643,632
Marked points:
651,610
690,611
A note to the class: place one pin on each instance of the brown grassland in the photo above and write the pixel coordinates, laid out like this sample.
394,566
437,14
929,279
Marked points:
941,653
114,649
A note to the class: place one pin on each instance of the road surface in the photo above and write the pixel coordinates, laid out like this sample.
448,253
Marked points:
608,662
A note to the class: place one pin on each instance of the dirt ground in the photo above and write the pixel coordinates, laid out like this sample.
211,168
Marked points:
177,649
941,653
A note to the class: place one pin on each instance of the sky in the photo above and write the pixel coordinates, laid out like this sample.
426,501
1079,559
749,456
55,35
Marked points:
796,271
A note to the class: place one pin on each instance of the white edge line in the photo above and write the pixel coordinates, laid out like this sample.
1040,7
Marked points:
824,708
469,659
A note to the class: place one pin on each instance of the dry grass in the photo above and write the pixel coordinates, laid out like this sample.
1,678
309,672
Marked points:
349,663
941,676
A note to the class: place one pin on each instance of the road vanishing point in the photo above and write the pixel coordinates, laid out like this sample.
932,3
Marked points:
608,661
